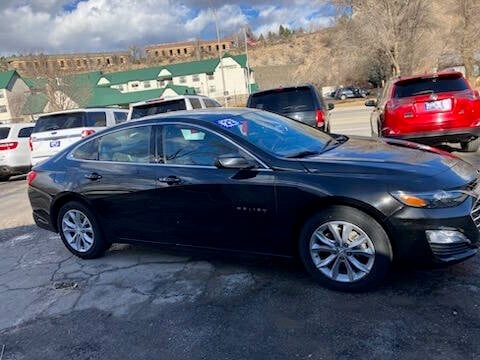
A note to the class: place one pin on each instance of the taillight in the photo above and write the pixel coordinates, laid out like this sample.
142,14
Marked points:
320,117
8,145
31,176
86,133
30,143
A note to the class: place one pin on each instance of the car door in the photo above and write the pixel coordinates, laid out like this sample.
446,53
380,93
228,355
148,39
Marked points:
202,205
116,173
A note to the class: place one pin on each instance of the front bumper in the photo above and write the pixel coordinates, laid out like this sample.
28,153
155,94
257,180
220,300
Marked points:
409,226
443,136
6,170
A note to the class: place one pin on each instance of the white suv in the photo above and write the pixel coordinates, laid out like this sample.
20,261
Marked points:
14,150
55,131
174,103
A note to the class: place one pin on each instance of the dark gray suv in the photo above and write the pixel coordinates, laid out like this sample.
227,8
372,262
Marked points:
302,103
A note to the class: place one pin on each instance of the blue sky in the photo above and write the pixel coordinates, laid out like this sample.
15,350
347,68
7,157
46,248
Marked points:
57,26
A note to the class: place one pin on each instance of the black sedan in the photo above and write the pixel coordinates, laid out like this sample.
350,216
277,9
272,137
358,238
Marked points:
252,181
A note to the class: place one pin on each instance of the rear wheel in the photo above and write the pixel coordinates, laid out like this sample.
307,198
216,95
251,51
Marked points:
80,231
345,249
471,146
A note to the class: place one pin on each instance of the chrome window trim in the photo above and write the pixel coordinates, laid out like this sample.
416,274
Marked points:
95,136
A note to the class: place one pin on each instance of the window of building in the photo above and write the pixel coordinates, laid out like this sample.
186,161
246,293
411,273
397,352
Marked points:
216,46
78,62
108,61
146,84
210,77
178,51
188,145
3,109
185,51
120,87
1,94
196,78
202,49
156,53
198,90
212,88
210,48
171,52
99,61
183,79
85,62
135,85
163,53
62,63
122,60
224,47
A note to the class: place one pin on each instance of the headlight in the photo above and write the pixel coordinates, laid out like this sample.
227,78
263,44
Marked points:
431,200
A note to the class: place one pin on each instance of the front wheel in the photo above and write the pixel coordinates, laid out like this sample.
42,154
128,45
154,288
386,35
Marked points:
345,249
471,146
80,231
343,97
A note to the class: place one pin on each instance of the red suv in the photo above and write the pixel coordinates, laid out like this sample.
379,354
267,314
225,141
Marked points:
431,109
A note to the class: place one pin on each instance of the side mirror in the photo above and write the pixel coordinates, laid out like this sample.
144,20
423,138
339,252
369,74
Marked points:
371,103
330,106
234,162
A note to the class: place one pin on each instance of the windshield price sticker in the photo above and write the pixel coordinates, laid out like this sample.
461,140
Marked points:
228,123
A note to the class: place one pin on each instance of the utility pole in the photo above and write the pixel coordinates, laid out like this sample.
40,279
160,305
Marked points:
225,98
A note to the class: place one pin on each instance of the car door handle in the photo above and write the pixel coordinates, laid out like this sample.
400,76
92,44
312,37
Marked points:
93,176
170,180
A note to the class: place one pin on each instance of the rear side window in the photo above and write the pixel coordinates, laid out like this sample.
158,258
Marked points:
284,101
209,103
429,86
96,119
25,132
195,103
4,131
59,122
158,108
120,117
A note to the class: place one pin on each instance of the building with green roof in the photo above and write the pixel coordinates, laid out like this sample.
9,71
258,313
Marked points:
13,91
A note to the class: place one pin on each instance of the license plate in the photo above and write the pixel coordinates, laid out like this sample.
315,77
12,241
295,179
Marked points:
55,143
440,105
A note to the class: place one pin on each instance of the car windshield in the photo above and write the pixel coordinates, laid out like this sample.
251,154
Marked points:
284,101
429,86
277,135
4,131
59,122
158,108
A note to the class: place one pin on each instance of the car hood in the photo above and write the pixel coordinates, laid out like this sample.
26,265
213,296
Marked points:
390,157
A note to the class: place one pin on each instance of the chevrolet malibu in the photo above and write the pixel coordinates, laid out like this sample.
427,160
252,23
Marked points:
252,181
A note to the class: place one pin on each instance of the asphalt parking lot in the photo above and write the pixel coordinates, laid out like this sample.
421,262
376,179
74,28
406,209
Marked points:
146,303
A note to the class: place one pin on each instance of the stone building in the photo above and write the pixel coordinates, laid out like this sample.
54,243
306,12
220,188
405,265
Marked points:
197,49
68,63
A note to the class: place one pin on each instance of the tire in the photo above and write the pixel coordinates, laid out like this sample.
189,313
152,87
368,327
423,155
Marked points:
471,146
96,246
343,97
373,255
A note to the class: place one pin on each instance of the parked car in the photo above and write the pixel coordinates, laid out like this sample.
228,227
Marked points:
431,109
55,131
302,103
253,181
14,149
174,103
350,92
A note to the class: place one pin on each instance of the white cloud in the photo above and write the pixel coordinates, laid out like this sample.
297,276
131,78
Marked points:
96,25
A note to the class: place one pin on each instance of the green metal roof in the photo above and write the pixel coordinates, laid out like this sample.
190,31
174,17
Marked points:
35,104
110,97
6,77
181,69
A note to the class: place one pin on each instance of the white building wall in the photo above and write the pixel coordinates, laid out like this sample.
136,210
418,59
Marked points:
13,99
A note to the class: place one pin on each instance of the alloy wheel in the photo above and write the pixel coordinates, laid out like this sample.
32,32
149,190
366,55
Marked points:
342,251
78,230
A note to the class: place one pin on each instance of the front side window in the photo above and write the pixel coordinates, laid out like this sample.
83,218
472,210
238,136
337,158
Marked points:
195,103
188,145
120,117
209,103
128,145
88,151
96,119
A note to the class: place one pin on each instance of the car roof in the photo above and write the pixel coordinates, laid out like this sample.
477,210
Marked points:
428,76
207,115
168,98
82,110
284,88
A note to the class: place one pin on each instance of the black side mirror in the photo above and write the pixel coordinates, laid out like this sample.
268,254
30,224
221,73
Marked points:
330,106
234,162
371,103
